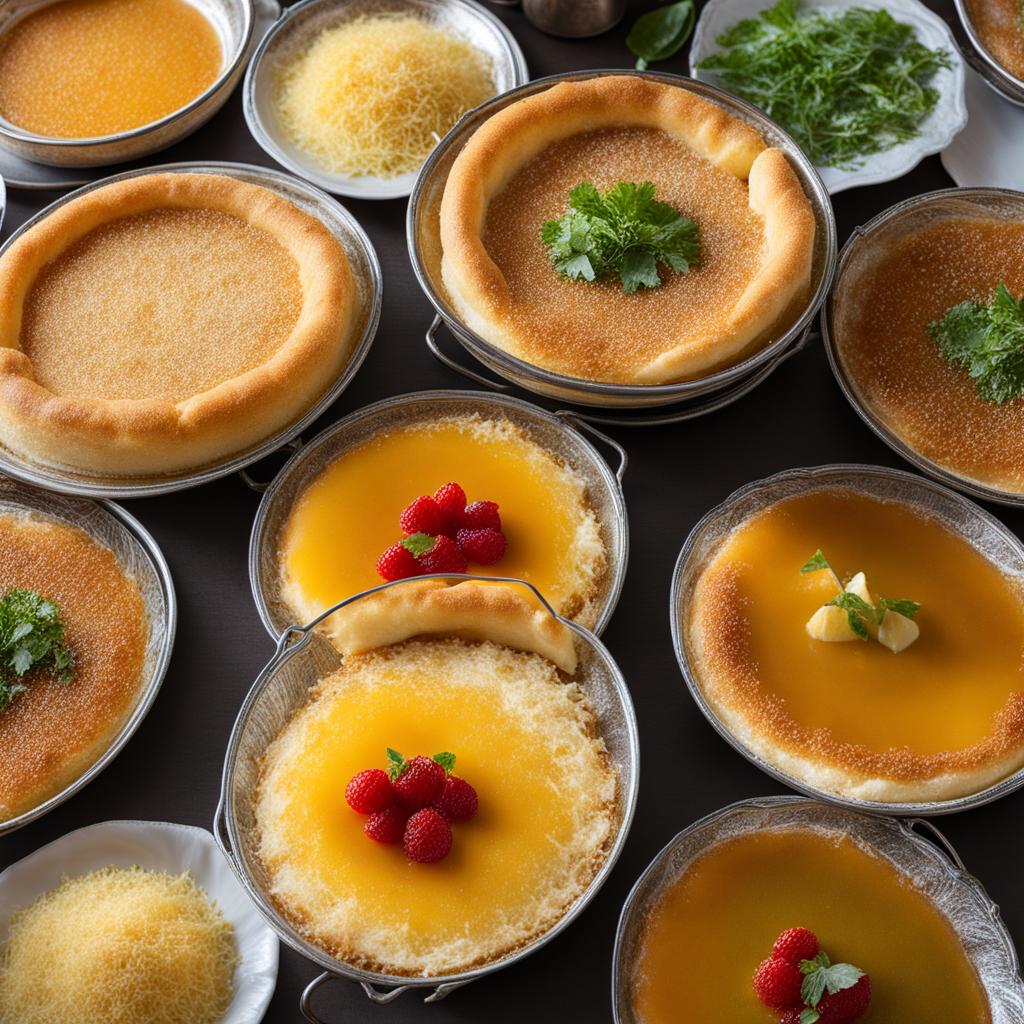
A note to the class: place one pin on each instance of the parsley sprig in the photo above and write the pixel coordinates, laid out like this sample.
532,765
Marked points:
625,233
860,614
821,976
987,340
845,87
31,637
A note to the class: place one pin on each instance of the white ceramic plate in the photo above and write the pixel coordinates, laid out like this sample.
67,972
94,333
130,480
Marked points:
159,846
937,131
990,150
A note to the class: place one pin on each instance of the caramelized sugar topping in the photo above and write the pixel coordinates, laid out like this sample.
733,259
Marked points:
605,328
997,22
164,304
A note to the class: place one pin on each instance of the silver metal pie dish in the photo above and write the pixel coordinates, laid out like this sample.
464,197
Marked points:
300,25
233,22
366,271
997,77
961,516
932,865
423,236
140,558
555,433
865,245
302,657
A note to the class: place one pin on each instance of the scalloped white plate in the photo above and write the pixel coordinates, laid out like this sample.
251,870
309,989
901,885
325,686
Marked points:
159,846
937,131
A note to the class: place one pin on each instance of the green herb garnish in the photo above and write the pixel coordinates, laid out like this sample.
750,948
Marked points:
987,340
821,976
625,233
397,763
844,87
660,34
31,637
418,543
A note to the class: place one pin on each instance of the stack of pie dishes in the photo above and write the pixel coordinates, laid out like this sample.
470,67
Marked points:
995,44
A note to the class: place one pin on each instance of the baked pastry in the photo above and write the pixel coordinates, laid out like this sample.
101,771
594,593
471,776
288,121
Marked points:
523,733
50,734
345,517
166,321
941,719
756,232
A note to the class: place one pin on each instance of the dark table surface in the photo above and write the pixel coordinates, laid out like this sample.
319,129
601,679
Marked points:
171,769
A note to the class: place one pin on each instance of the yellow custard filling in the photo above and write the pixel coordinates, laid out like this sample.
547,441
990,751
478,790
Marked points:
524,740
707,934
349,515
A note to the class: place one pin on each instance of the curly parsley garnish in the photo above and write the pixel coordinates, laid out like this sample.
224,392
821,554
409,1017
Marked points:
844,87
31,638
987,340
625,233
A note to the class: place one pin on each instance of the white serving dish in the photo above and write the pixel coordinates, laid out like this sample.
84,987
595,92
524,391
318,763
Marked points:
158,846
937,131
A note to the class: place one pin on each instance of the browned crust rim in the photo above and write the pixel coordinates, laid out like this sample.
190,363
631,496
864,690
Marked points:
513,136
133,436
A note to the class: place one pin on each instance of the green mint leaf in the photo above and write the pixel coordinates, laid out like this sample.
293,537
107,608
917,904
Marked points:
816,562
809,1016
418,543
821,976
446,759
899,605
858,611
396,764
660,34
986,340
819,961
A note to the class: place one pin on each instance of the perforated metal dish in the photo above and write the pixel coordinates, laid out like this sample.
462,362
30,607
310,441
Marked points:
367,274
303,656
958,514
140,558
867,244
556,434
937,872
976,53
423,235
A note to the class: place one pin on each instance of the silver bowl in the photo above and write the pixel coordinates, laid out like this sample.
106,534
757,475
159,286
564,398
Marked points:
423,235
139,556
233,22
960,515
367,273
976,53
301,23
872,238
556,433
937,870
302,657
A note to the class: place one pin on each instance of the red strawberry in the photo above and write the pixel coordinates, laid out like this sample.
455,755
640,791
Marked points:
428,837
444,556
794,945
481,546
457,801
386,826
481,515
398,563
791,1016
451,498
424,515
369,791
777,984
417,782
846,1005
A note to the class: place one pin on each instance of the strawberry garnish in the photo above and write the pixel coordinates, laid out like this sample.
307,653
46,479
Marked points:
777,983
424,515
833,993
398,563
369,791
796,944
458,800
443,556
481,515
428,837
387,826
452,499
481,546
418,782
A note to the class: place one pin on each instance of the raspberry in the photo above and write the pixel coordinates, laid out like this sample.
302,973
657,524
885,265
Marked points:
386,826
428,837
481,546
481,515
777,984
398,563
794,945
457,801
369,791
791,1016
451,498
419,782
424,515
444,556
846,1005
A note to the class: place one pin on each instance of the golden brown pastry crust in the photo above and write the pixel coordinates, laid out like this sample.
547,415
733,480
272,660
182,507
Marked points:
468,610
515,135
152,436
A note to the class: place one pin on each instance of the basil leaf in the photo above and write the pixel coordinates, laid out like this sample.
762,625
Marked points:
659,34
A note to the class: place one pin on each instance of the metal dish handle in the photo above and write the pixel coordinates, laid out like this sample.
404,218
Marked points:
939,839
259,486
382,997
580,423
478,378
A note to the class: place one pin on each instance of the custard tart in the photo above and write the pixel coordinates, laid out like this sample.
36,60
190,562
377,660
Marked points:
166,321
515,173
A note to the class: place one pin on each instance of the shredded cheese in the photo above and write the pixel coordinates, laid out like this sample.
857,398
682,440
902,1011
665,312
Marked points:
374,96
118,946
